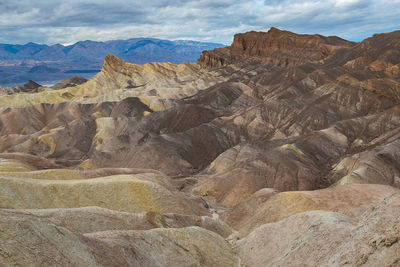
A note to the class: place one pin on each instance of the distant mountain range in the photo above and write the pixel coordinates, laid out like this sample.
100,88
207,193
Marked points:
48,64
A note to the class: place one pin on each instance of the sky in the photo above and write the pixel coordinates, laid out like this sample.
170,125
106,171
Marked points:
69,21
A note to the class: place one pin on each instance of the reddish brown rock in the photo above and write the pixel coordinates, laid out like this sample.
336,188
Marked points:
280,48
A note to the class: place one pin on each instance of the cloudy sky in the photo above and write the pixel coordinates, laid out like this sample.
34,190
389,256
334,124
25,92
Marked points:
68,21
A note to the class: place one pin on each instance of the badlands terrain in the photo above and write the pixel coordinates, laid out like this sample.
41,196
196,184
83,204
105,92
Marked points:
279,150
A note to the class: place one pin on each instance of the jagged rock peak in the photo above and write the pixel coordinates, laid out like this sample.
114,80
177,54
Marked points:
31,85
111,61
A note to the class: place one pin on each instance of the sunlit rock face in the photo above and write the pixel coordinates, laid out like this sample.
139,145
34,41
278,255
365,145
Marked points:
279,150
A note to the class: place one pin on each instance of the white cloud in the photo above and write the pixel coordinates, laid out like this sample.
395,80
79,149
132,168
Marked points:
49,21
344,4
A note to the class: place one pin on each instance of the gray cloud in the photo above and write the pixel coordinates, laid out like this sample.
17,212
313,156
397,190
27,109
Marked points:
68,21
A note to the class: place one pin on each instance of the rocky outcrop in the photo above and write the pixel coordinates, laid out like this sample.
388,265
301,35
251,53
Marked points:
277,47
70,82
29,87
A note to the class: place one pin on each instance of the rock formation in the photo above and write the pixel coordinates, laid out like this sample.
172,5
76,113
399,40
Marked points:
280,150
70,82
29,87
280,48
